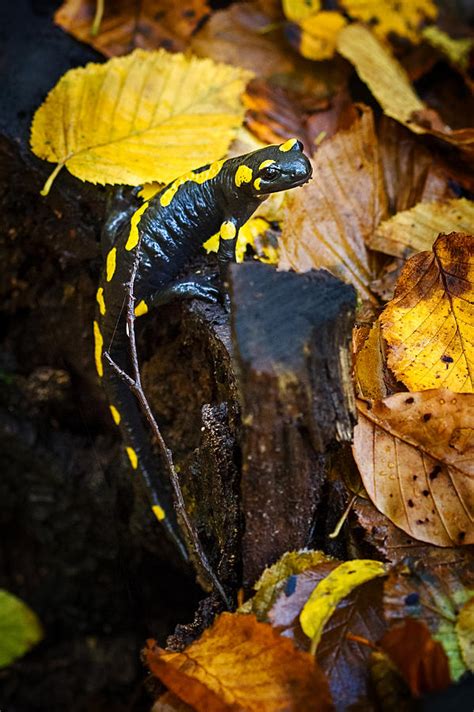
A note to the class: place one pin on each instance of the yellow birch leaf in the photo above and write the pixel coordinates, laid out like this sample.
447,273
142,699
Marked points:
415,454
149,116
416,229
400,17
457,51
330,591
317,35
429,324
389,83
465,633
296,10
326,222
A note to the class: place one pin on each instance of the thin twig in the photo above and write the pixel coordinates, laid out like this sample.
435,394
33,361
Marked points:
135,385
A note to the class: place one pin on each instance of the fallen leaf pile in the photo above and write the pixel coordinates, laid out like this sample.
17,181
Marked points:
390,211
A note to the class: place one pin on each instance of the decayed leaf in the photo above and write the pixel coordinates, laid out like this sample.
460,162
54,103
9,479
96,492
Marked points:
340,656
415,230
399,17
391,690
240,663
20,629
465,633
389,83
271,115
315,36
415,453
326,222
266,588
434,594
429,324
329,592
421,660
148,116
126,25
457,50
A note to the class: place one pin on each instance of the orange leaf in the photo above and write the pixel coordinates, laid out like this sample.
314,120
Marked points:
127,24
420,659
241,664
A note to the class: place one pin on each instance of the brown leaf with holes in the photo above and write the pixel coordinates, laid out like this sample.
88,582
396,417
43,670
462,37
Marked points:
429,324
241,664
421,660
415,453
327,221
126,24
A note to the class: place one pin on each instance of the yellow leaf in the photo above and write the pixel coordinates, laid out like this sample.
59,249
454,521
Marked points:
326,222
429,324
457,51
296,10
369,365
149,116
241,664
388,82
416,229
330,591
319,35
253,234
415,453
465,633
400,17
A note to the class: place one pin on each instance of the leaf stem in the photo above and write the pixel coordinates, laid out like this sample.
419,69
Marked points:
47,186
99,13
338,527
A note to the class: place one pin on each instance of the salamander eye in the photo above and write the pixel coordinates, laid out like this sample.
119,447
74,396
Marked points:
269,172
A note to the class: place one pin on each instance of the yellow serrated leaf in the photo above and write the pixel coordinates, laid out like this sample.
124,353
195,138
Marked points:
457,51
296,10
416,229
330,591
149,116
429,324
465,633
400,17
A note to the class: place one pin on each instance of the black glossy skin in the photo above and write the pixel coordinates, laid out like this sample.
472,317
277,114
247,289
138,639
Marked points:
169,236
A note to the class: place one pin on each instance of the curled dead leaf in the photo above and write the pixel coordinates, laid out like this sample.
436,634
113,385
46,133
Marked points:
415,453
429,324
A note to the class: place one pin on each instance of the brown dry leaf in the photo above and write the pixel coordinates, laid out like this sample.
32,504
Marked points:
415,453
421,660
241,664
414,230
390,85
126,24
327,221
429,323
412,173
434,594
370,366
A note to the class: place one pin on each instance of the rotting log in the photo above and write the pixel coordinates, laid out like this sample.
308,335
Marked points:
291,335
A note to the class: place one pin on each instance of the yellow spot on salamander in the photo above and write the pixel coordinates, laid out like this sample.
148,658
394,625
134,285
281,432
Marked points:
159,512
200,178
133,235
228,230
111,263
115,414
141,308
99,342
212,245
100,300
256,183
265,164
132,456
288,145
243,174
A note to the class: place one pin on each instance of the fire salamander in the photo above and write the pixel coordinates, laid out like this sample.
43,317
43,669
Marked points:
208,205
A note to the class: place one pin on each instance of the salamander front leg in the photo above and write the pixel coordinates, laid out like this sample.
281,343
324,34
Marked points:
190,288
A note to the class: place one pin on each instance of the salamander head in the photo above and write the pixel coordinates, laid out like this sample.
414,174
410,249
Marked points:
273,168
